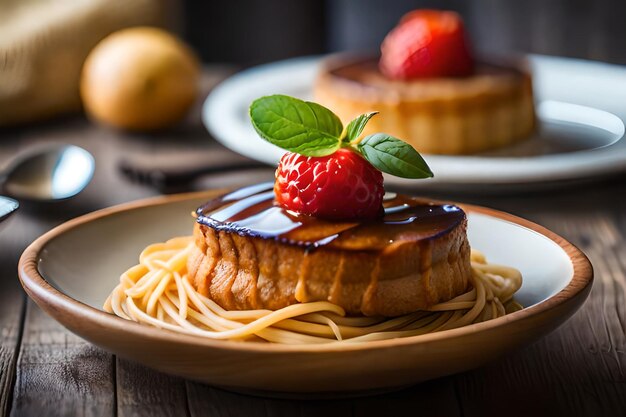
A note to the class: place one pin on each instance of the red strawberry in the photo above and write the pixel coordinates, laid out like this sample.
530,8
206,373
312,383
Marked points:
338,186
427,43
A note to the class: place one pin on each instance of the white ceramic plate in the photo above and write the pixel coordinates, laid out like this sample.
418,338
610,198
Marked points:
70,271
579,106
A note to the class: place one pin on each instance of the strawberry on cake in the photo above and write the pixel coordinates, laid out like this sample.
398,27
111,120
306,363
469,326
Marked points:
325,230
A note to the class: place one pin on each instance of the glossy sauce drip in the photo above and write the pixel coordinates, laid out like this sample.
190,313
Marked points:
251,211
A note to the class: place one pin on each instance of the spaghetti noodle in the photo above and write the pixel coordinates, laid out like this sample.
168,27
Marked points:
158,292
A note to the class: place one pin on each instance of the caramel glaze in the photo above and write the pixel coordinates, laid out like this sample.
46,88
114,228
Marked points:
363,72
251,254
251,212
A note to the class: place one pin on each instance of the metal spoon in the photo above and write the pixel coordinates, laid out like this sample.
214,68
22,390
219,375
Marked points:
7,207
48,174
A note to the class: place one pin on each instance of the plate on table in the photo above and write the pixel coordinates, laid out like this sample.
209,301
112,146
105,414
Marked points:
103,244
579,105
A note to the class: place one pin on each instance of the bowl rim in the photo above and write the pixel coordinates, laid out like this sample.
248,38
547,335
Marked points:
50,298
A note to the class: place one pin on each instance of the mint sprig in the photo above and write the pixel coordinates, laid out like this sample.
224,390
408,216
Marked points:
393,156
356,126
297,126
310,129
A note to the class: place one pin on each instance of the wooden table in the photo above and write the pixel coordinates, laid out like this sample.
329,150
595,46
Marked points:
580,369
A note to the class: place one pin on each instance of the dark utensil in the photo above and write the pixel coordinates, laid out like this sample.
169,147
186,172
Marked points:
173,176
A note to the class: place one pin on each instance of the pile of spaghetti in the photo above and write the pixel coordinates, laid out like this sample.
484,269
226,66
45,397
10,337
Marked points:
157,292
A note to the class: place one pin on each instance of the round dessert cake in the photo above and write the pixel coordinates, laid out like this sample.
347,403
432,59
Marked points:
251,254
489,109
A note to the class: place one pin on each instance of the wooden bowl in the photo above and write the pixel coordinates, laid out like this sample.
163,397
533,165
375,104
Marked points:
70,270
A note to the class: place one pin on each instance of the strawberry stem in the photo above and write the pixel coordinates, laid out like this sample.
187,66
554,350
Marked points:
355,142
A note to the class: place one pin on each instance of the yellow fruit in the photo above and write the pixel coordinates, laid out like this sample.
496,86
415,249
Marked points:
140,78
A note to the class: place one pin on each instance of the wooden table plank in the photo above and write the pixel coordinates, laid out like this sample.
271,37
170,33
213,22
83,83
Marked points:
330,408
205,400
144,392
59,374
431,398
12,305
15,234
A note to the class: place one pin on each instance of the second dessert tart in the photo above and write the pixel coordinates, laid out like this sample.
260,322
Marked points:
431,90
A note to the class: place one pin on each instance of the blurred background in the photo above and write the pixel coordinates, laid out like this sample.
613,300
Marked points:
250,32
144,92
43,43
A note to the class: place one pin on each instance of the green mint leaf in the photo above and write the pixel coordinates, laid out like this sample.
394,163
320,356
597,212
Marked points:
296,126
356,126
393,156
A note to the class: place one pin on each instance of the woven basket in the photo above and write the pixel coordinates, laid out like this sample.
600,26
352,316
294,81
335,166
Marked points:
43,44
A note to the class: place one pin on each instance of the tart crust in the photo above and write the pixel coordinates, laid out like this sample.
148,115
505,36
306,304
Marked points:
492,108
